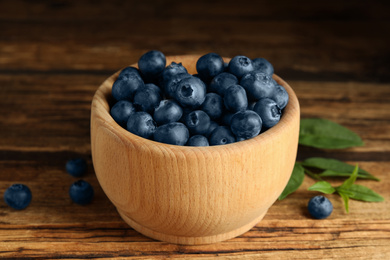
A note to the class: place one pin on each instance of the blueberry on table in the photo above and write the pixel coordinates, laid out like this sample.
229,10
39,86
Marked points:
280,96
125,87
198,140
320,207
121,112
141,124
210,65
269,112
221,82
147,98
172,133
235,99
190,92
246,124
81,192
168,111
240,65
151,64
257,85
221,135
197,122
263,65
76,167
213,105
18,196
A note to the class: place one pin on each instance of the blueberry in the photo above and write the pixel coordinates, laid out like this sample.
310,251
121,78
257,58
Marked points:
269,112
246,124
210,65
155,88
141,124
151,64
81,192
280,96
121,112
213,106
76,167
212,126
172,133
125,87
235,98
170,71
129,72
190,92
320,207
172,83
240,65
221,82
18,196
147,98
198,140
221,135
261,64
197,122
257,85
167,112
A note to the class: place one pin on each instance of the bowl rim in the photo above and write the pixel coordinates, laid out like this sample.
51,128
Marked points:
101,106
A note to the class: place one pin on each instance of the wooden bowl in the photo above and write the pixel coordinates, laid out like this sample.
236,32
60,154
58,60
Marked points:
191,195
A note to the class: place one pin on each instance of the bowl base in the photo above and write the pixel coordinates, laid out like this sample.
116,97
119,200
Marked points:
189,240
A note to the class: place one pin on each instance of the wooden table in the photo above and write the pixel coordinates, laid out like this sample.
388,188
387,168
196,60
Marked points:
54,54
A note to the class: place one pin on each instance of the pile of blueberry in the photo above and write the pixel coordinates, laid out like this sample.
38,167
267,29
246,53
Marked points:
223,103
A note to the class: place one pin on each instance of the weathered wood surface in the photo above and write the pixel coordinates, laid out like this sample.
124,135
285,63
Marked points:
54,54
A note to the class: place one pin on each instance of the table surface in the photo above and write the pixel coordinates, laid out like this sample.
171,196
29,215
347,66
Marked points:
54,54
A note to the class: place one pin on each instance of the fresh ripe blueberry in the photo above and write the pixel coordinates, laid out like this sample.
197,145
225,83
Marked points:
263,65
320,207
172,133
212,126
18,196
141,124
81,192
151,64
172,83
221,135
76,167
167,112
125,87
235,99
269,112
197,122
240,65
227,118
213,106
280,96
198,140
221,82
190,92
257,85
210,65
155,88
129,72
246,124
171,70
147,98
121,112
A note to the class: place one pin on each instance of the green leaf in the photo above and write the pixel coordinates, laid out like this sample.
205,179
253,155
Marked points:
351,180
345,199
335,168
323,133
322,186
294,182
360,192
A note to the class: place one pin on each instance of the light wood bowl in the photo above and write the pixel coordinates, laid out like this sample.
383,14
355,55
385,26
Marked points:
191,195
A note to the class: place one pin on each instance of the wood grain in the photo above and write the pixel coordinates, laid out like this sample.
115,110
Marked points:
54,55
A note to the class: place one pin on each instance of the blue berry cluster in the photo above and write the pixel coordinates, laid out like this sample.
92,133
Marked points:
223,103
80,192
